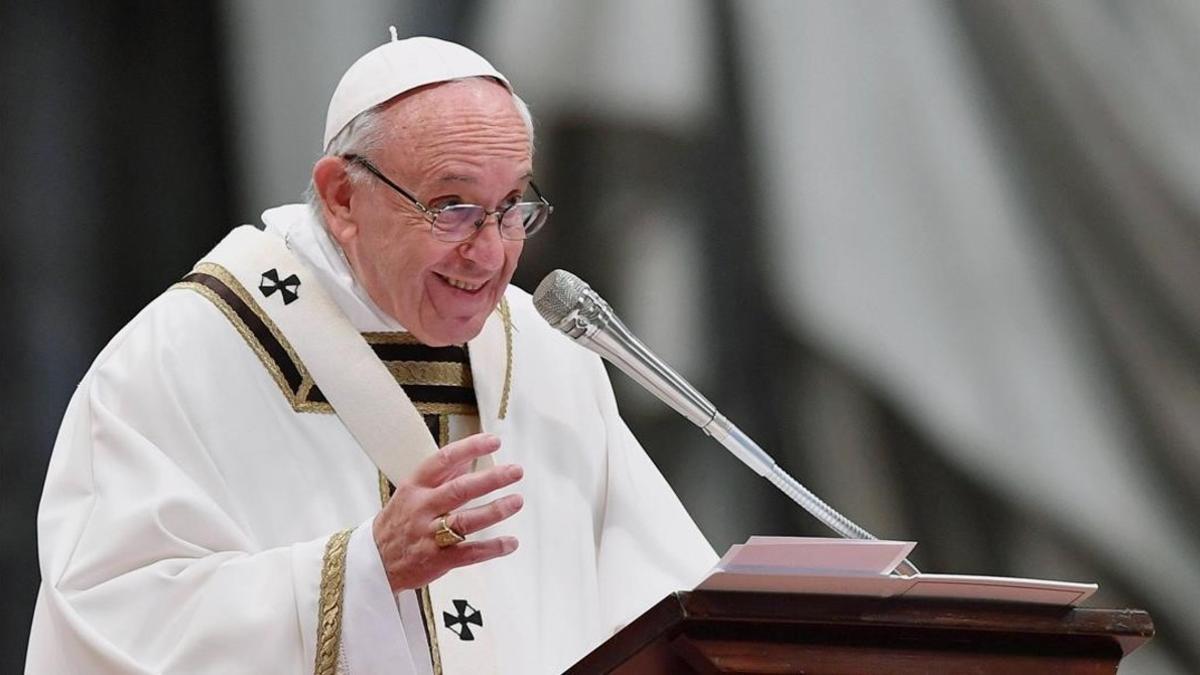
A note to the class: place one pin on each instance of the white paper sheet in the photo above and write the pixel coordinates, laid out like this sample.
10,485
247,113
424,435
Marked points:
822,566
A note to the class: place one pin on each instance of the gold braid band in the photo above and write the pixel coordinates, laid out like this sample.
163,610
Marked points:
329,611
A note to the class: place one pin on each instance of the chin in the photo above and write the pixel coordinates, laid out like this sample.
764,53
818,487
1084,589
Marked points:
453,332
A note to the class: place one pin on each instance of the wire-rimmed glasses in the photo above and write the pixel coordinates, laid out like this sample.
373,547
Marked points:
460,222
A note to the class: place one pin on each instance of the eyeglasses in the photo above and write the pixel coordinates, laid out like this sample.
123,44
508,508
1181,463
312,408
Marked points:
460,222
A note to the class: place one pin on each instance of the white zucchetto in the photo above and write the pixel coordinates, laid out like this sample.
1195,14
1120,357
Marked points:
396,67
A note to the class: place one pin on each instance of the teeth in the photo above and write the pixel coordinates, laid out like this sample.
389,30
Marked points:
462,284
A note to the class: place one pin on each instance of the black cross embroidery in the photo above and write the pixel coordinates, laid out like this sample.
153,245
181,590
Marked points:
464,617
288,288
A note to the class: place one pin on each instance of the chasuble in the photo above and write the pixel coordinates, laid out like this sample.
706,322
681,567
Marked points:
206,509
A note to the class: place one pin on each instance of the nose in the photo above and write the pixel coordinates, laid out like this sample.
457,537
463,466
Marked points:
486,248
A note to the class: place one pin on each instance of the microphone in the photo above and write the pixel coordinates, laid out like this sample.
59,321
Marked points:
567,303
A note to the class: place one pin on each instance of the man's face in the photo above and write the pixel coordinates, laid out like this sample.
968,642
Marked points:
456,143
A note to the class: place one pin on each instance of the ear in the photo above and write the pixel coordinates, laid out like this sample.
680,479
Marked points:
336,189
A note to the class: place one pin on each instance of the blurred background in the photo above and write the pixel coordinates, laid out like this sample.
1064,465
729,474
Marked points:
942,259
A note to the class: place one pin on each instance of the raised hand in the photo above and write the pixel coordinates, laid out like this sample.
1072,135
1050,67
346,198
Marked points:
406,529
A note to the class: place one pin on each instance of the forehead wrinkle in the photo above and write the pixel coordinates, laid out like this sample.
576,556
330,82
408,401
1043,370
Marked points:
454,178
432,117
484,140
452,160
487,133
445,135
450,172
451,177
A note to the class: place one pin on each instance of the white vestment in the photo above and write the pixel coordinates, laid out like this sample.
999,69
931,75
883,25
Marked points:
192,512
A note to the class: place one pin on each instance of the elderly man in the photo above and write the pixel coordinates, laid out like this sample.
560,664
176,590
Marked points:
345,443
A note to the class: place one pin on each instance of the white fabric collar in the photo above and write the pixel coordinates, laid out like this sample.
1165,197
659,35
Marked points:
306,237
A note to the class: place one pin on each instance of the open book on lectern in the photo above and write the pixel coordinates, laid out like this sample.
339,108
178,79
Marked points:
821,566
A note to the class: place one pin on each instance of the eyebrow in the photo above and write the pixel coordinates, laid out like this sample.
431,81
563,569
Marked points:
460,178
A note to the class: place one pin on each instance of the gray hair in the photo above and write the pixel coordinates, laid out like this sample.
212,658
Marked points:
366,134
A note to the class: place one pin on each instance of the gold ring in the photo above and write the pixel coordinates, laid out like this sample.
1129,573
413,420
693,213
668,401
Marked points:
445,535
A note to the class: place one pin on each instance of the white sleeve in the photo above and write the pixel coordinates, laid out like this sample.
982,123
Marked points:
154,557
143,571
649,545
378,635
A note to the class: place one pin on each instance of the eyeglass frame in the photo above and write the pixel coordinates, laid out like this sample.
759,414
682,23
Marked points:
430,214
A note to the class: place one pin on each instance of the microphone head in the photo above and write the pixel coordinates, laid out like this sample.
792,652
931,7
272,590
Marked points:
558,295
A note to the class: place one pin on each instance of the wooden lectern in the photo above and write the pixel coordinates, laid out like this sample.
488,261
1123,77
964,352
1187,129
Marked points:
726,632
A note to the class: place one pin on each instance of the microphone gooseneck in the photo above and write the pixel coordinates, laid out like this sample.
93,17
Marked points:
567,303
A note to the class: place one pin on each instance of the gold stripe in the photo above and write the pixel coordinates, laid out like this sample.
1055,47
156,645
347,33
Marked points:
506,317
423,599
435,653
447,373
329,611
391,338
295,398
406,372
214,270
443,430
244,331
385,489
446,408
303,404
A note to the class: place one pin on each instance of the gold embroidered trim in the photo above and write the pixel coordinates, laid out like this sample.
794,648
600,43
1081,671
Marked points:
385,489
446,373
234,285
443,430
446,408
435,653
321,407
329,611
295,398
506,317
390,338
406,372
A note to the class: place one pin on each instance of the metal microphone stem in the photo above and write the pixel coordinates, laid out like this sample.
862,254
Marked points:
605,333
741,445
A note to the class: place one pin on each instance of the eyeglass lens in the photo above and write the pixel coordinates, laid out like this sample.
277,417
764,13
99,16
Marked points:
460,221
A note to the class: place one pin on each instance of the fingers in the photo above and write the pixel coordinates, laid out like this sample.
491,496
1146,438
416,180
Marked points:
472,552
420,565
454,459
473,520
459,491
405,531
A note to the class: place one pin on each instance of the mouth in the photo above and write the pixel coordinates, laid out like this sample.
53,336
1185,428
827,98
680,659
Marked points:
461,284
